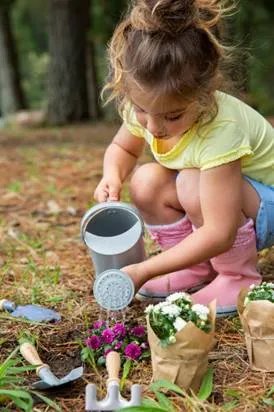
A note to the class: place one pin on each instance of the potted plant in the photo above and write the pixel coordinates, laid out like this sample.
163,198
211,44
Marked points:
180,336
256,311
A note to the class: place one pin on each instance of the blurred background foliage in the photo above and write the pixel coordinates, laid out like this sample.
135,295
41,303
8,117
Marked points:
251,30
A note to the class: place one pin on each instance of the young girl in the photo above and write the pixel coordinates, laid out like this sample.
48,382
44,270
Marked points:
213,178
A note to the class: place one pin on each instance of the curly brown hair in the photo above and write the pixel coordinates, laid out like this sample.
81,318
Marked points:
169,47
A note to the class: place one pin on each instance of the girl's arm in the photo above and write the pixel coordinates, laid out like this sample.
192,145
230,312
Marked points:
221,204
119,160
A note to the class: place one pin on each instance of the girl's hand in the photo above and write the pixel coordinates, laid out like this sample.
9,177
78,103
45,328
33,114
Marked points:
108,189
135,273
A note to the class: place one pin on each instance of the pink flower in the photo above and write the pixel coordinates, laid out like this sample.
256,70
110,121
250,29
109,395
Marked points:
118,345
93,342
138,331
133,351
108,336
99,324
144,345
119,330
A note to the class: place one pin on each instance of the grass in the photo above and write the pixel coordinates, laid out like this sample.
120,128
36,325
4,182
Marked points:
12,390
42,260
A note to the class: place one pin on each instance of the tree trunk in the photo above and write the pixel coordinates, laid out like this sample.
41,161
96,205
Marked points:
68,95
11,93
93,88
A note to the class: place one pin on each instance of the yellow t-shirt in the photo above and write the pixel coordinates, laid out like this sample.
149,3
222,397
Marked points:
237,132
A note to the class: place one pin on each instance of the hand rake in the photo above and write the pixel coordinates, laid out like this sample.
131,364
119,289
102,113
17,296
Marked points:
113,399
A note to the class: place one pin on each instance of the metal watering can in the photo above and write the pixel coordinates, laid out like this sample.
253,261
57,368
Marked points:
113,233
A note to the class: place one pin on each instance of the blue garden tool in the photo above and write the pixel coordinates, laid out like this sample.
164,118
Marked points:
34,313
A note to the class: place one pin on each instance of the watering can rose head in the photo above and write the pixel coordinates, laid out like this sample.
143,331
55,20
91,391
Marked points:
171,316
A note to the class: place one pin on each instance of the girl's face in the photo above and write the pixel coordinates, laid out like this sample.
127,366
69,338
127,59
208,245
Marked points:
165,117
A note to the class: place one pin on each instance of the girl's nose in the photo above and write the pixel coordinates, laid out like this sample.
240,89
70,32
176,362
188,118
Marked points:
155,126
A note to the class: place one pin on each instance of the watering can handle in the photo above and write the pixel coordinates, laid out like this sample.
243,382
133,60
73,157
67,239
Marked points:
29,353
113,364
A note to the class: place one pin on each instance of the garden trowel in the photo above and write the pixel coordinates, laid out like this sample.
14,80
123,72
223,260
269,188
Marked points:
48,379
34,313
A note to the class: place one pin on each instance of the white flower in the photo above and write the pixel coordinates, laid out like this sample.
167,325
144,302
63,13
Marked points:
171,310
149,309
201,310
271,284
172,339
159,306
252,286
179,324
178,295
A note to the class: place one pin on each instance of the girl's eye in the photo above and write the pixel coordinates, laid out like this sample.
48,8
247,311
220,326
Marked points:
174,118
138,110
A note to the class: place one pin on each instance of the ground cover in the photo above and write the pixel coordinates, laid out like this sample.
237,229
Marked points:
47,178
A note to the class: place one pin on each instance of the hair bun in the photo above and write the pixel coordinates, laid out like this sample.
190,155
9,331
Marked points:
168,16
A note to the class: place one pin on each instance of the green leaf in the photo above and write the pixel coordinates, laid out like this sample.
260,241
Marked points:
10,380
234,393
126,370
23,405
206,386
47,401
101,361
16,370
164,402
16,393
165,384
268,401
21,398
149,402
270,392
228,406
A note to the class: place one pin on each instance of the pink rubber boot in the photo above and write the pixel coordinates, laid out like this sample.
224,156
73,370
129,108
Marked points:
236,269
186,280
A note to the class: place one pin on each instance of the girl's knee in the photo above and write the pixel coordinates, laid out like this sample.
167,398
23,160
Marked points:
147,183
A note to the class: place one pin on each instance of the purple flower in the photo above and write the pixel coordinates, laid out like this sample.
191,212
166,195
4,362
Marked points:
138,331
119,330
108,336
118,345
133,351
99,324
93,342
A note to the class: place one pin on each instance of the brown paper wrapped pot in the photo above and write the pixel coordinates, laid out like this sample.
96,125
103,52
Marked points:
257,319
186,361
